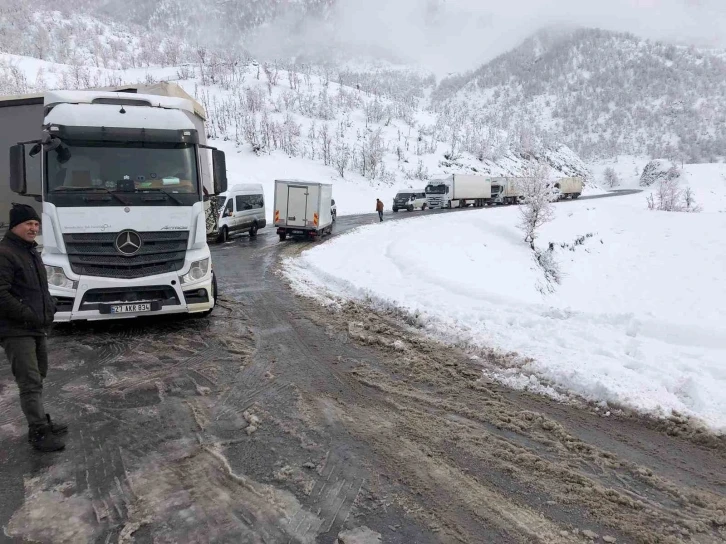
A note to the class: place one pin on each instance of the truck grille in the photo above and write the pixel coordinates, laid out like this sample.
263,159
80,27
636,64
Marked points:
95,254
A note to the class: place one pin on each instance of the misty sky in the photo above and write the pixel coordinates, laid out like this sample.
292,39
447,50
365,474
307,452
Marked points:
456,35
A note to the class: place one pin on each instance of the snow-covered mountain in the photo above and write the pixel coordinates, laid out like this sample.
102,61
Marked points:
603,94
357,124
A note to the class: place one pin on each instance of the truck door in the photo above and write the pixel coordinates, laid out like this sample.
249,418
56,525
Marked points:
297,205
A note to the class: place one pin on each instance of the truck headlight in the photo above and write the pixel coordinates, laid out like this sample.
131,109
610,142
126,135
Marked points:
58,278
197,271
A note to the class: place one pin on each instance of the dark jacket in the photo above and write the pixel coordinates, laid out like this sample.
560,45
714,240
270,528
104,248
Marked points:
26,307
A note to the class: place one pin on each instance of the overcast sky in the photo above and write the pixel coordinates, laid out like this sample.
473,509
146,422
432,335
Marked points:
456,35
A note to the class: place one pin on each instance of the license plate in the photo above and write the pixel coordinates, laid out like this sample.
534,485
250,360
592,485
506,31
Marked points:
297,232
129,308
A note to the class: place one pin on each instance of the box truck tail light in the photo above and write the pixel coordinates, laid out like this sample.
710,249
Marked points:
315,219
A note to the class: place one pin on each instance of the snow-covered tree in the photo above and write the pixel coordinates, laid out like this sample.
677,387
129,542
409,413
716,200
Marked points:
610,177
536,208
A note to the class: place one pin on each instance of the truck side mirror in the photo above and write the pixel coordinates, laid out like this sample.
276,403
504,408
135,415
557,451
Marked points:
18,181
219,167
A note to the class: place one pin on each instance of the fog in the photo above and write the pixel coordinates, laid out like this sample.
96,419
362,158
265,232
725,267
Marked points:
456,35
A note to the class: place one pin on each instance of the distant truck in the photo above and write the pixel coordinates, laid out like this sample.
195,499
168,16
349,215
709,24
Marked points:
568,187
303,208
458,190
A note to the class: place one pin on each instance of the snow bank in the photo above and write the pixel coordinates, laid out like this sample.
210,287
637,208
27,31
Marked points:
639,319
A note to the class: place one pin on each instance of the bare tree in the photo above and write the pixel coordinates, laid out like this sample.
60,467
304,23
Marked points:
611,177
536,209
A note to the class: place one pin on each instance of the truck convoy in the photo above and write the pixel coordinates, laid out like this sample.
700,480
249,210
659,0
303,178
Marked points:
303,208
460,190
121,179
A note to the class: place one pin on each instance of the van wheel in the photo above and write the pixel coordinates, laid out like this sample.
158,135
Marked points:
223,235
283,236
410,208
395,210
253,230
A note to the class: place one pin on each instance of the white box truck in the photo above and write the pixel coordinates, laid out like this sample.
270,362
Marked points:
568,187
458,190
303,208
120,179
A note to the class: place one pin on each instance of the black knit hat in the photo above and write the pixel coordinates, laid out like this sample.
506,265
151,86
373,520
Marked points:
20,213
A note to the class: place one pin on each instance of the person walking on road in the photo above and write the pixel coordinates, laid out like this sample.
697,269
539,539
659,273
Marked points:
26,314
379,209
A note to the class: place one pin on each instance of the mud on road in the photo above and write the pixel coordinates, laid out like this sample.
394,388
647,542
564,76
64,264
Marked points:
278,420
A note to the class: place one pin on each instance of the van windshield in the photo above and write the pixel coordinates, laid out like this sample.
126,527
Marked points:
403,196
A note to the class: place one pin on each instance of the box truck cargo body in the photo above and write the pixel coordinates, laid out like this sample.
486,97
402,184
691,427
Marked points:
303,208
120,179
568,187
458,190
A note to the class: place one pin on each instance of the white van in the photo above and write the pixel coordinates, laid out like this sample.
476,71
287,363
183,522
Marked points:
242,209
409,199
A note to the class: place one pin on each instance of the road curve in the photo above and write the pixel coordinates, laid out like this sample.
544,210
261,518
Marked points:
276,420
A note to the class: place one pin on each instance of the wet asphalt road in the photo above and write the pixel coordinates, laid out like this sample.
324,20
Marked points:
275,421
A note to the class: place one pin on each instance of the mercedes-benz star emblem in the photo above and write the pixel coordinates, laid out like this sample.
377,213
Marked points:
128,243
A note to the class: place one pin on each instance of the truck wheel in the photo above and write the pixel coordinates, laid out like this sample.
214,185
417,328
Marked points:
283,236
223,235
448,205
575,195
423,206
253,230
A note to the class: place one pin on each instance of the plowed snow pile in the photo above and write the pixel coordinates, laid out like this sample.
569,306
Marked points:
638,319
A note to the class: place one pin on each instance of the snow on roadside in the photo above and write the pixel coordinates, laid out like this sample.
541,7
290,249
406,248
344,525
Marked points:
638,321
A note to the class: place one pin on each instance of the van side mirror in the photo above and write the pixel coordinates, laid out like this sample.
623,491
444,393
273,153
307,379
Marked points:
219,167
18,180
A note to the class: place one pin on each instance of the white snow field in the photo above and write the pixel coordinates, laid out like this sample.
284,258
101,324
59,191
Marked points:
639,320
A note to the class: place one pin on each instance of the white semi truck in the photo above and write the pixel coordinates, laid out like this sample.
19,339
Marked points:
458,190
121,178
303,208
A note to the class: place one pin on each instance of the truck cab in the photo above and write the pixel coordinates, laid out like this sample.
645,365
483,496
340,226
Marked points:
123,214
438,193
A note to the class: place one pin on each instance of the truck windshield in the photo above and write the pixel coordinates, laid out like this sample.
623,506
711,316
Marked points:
140,173
436,189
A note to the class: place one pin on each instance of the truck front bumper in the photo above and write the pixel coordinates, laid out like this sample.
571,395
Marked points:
94,297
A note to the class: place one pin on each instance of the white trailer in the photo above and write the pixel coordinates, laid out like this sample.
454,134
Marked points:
571,187
303,208
460,190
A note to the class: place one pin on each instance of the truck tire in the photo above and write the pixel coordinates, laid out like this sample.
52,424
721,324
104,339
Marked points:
283,236
448,205
253,230
423,206
575,195
223,235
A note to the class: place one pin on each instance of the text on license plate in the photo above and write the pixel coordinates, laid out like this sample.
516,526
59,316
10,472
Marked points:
129,308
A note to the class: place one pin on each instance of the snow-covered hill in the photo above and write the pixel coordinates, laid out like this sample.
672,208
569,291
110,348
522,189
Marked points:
362,126
637,321
603,94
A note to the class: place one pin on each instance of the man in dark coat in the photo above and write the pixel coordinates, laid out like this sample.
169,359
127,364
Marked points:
26,314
